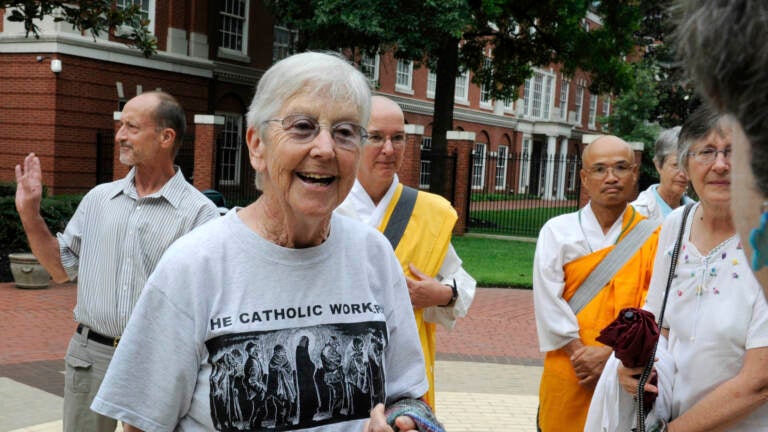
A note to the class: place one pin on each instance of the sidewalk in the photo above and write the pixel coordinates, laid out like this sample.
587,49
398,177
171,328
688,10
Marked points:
488,367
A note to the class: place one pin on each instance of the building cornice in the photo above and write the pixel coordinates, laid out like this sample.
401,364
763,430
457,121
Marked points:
548,128
416,106
105,50
237,74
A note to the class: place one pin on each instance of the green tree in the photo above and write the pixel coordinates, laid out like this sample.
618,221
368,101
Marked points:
93,16
632,112
676,98
453,35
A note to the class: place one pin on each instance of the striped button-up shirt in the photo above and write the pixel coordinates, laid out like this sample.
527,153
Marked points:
115,239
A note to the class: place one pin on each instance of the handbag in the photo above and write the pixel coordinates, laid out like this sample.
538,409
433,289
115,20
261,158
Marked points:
649,366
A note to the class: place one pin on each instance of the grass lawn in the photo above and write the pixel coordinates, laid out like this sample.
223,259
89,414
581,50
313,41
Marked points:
496,263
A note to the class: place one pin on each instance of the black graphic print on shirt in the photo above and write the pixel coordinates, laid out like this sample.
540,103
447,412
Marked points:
297,377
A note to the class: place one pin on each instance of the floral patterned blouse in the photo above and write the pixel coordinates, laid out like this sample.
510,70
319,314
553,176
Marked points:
715,312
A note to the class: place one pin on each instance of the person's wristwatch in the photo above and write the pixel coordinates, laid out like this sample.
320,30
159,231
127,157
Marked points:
454,294
660,426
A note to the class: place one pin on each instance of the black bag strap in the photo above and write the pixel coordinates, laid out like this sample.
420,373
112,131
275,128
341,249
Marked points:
649,366
400,216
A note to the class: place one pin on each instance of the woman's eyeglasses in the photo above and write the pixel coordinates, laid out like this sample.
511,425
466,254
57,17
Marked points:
303,129
708,155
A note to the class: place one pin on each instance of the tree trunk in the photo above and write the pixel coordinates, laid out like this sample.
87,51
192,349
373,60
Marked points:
447,67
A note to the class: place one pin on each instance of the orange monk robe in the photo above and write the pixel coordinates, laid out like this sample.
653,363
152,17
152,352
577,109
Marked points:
563,403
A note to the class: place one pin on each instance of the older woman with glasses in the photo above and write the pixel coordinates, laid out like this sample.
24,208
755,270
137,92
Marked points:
711,359
661,198
732,72
284,276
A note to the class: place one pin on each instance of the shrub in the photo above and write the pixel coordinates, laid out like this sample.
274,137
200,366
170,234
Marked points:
56,212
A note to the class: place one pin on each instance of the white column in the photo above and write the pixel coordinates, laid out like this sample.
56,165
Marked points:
523,183
549,167
563,168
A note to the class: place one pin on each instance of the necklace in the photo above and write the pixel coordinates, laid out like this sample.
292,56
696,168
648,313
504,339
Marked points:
624,228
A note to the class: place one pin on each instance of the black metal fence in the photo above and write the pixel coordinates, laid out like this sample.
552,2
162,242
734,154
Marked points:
429,162
516,193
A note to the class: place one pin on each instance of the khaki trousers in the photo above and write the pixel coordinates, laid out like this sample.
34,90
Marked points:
86,363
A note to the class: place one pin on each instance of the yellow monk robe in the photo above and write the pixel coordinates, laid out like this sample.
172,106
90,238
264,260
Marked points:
424,244
563,403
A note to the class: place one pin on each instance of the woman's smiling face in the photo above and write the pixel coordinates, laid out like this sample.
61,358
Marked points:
308,179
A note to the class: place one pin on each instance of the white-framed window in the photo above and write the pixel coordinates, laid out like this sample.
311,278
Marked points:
231,149
537,95
501,168
606,105
461,91
404,76
509,105
426,164
535,100
564,87
146,8
282,42
485,92
592,110
369,66
431,84
579,102
526,97
549,89
478,166
233,27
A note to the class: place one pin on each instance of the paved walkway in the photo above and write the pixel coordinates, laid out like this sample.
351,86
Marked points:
488,367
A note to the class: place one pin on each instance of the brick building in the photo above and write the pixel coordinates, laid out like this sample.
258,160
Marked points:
58,94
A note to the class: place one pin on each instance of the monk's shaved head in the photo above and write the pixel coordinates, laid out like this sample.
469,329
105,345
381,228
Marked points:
381,104
606,143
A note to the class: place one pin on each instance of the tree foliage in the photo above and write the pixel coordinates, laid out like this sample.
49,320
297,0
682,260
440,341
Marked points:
455,35
676,98
632,114
93,16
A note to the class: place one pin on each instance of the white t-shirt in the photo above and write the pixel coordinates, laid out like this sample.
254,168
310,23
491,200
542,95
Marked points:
715,312
223,289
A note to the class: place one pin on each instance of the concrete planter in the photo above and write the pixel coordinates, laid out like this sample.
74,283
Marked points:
28,272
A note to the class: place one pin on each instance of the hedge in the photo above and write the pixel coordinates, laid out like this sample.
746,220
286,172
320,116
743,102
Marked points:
55,210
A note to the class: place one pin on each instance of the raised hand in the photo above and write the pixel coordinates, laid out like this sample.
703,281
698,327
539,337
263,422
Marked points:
29,186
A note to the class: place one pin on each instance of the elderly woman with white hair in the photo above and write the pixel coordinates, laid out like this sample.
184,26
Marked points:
661,198
281,272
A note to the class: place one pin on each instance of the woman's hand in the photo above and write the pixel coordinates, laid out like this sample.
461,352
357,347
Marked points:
378,422
629,378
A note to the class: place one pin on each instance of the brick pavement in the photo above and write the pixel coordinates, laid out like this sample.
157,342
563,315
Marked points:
37,324
487,364
499,328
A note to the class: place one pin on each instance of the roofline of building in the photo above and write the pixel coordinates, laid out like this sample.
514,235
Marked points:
416,106
108,51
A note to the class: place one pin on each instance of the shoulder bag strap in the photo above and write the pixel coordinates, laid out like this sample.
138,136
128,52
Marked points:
649,366
611,264
400,216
